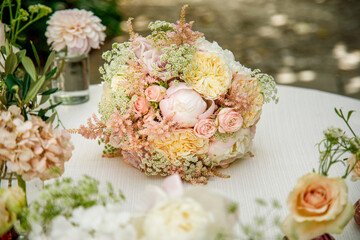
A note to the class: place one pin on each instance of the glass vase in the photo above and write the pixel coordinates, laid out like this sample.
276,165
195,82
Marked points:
73,81
7,178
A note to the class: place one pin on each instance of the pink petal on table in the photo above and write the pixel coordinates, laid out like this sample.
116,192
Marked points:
173,186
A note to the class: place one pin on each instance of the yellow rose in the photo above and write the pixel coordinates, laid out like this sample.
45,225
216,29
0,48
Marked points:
250,86
318,205
210,76
182,143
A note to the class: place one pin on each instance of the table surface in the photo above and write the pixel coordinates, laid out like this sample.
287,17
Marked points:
284,148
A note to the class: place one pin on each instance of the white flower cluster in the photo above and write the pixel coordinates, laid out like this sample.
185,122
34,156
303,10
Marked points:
167,213
108,222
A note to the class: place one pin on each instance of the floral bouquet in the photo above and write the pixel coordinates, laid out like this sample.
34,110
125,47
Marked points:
174,102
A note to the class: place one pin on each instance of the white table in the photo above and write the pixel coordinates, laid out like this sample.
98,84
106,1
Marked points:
284,149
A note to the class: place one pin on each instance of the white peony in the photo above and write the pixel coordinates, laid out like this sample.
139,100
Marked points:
223,153
183,219
183,104
78,30
191,214
204,45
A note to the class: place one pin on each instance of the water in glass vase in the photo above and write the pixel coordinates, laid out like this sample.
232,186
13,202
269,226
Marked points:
73,81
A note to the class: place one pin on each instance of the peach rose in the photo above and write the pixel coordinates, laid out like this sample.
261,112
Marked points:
142,105
356,170
205,128
318,205
155,93
149,118
228,120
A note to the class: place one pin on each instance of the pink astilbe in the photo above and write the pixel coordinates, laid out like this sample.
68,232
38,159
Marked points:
184,32
124,132
160,129
239,101
93,130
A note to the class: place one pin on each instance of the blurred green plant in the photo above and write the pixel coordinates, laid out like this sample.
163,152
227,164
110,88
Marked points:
24,82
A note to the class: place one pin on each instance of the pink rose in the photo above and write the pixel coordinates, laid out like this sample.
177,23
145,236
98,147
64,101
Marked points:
155,93
142,105
141,45
205,128
185,105
229,120
149,118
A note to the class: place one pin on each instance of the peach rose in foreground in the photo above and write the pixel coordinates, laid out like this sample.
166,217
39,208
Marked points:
205,128
356,171
155,93
142,105
228,120
318,205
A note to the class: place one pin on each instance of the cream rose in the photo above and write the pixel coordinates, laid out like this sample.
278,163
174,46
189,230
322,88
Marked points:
228,120
356,171
318,205
155,93
142,105
210,75
205,128
250,86
224,152
182,143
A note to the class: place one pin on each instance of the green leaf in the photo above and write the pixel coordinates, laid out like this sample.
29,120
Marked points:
11,81
49,61
35,54
50,91
349,115
29,67
11,63
26,85
51,118
21,54
44,98
51,73
337,112
34,89
54,106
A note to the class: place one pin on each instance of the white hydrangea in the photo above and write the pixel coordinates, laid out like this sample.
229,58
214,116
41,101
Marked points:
108,222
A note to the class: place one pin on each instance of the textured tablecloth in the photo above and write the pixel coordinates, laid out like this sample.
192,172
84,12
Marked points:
284,149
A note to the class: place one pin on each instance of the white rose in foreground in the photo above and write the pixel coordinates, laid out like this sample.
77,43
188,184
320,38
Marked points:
223,153
193,214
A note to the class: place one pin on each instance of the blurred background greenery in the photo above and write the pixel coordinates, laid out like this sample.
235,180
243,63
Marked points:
305,43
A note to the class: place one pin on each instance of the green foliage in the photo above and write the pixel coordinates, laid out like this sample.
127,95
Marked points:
267,217
336,144
22,80
62,197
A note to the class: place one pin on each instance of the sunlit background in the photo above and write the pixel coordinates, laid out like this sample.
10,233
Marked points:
306,43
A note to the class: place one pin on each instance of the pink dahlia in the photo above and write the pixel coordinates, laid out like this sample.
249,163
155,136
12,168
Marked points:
78,30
